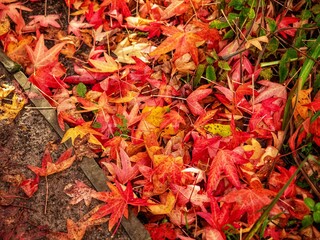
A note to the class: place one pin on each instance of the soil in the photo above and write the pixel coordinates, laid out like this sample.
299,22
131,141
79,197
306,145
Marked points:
22,143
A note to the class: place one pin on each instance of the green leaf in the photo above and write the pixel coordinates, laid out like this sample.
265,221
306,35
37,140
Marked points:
211,73
317,207
232,16
316,84
307,221
316,216
266,73
228,35
309,202
315,116
81,89
250,13
224,65
284,63
305,14
317,20
209,60
272,24
236,4
272,45
218,24
316,9
96,125
198,75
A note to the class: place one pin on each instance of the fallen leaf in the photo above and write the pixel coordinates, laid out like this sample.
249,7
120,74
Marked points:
79,191
168,201
303,99
81,131
30,186
106,65
224,163
194,98
48,167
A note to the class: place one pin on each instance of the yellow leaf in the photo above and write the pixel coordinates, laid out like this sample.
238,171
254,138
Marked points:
8,111
128,48
255,147
303,98
167,160
130,96
168,201
4,26
156,115
256,42
107,66
217,128
5,90
81,131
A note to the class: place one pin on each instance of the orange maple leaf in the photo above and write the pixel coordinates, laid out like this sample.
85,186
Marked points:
117,202
184,42
41,56
48,167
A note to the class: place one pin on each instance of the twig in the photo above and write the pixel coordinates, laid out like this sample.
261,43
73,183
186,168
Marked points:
47,194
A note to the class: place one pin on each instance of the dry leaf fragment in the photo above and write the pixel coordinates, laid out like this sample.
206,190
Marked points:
8,112
79,191
256,42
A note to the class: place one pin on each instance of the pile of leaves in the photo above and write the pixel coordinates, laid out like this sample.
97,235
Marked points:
204,115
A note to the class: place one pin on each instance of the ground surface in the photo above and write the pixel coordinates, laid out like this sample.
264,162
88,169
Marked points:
22,143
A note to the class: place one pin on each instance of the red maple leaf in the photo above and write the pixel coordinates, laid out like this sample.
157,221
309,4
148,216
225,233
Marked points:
162,231
224,162
42,21
75,25
96,18
217,218
283,25
119,5
249,201
44,78
126,172
204,148
11,10
30,186
117,202
174,118
194,98
48,167
192,194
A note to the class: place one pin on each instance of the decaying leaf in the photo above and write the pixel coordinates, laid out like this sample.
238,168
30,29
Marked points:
10,108
79,191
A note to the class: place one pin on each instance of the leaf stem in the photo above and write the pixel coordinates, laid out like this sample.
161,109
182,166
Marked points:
268,64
